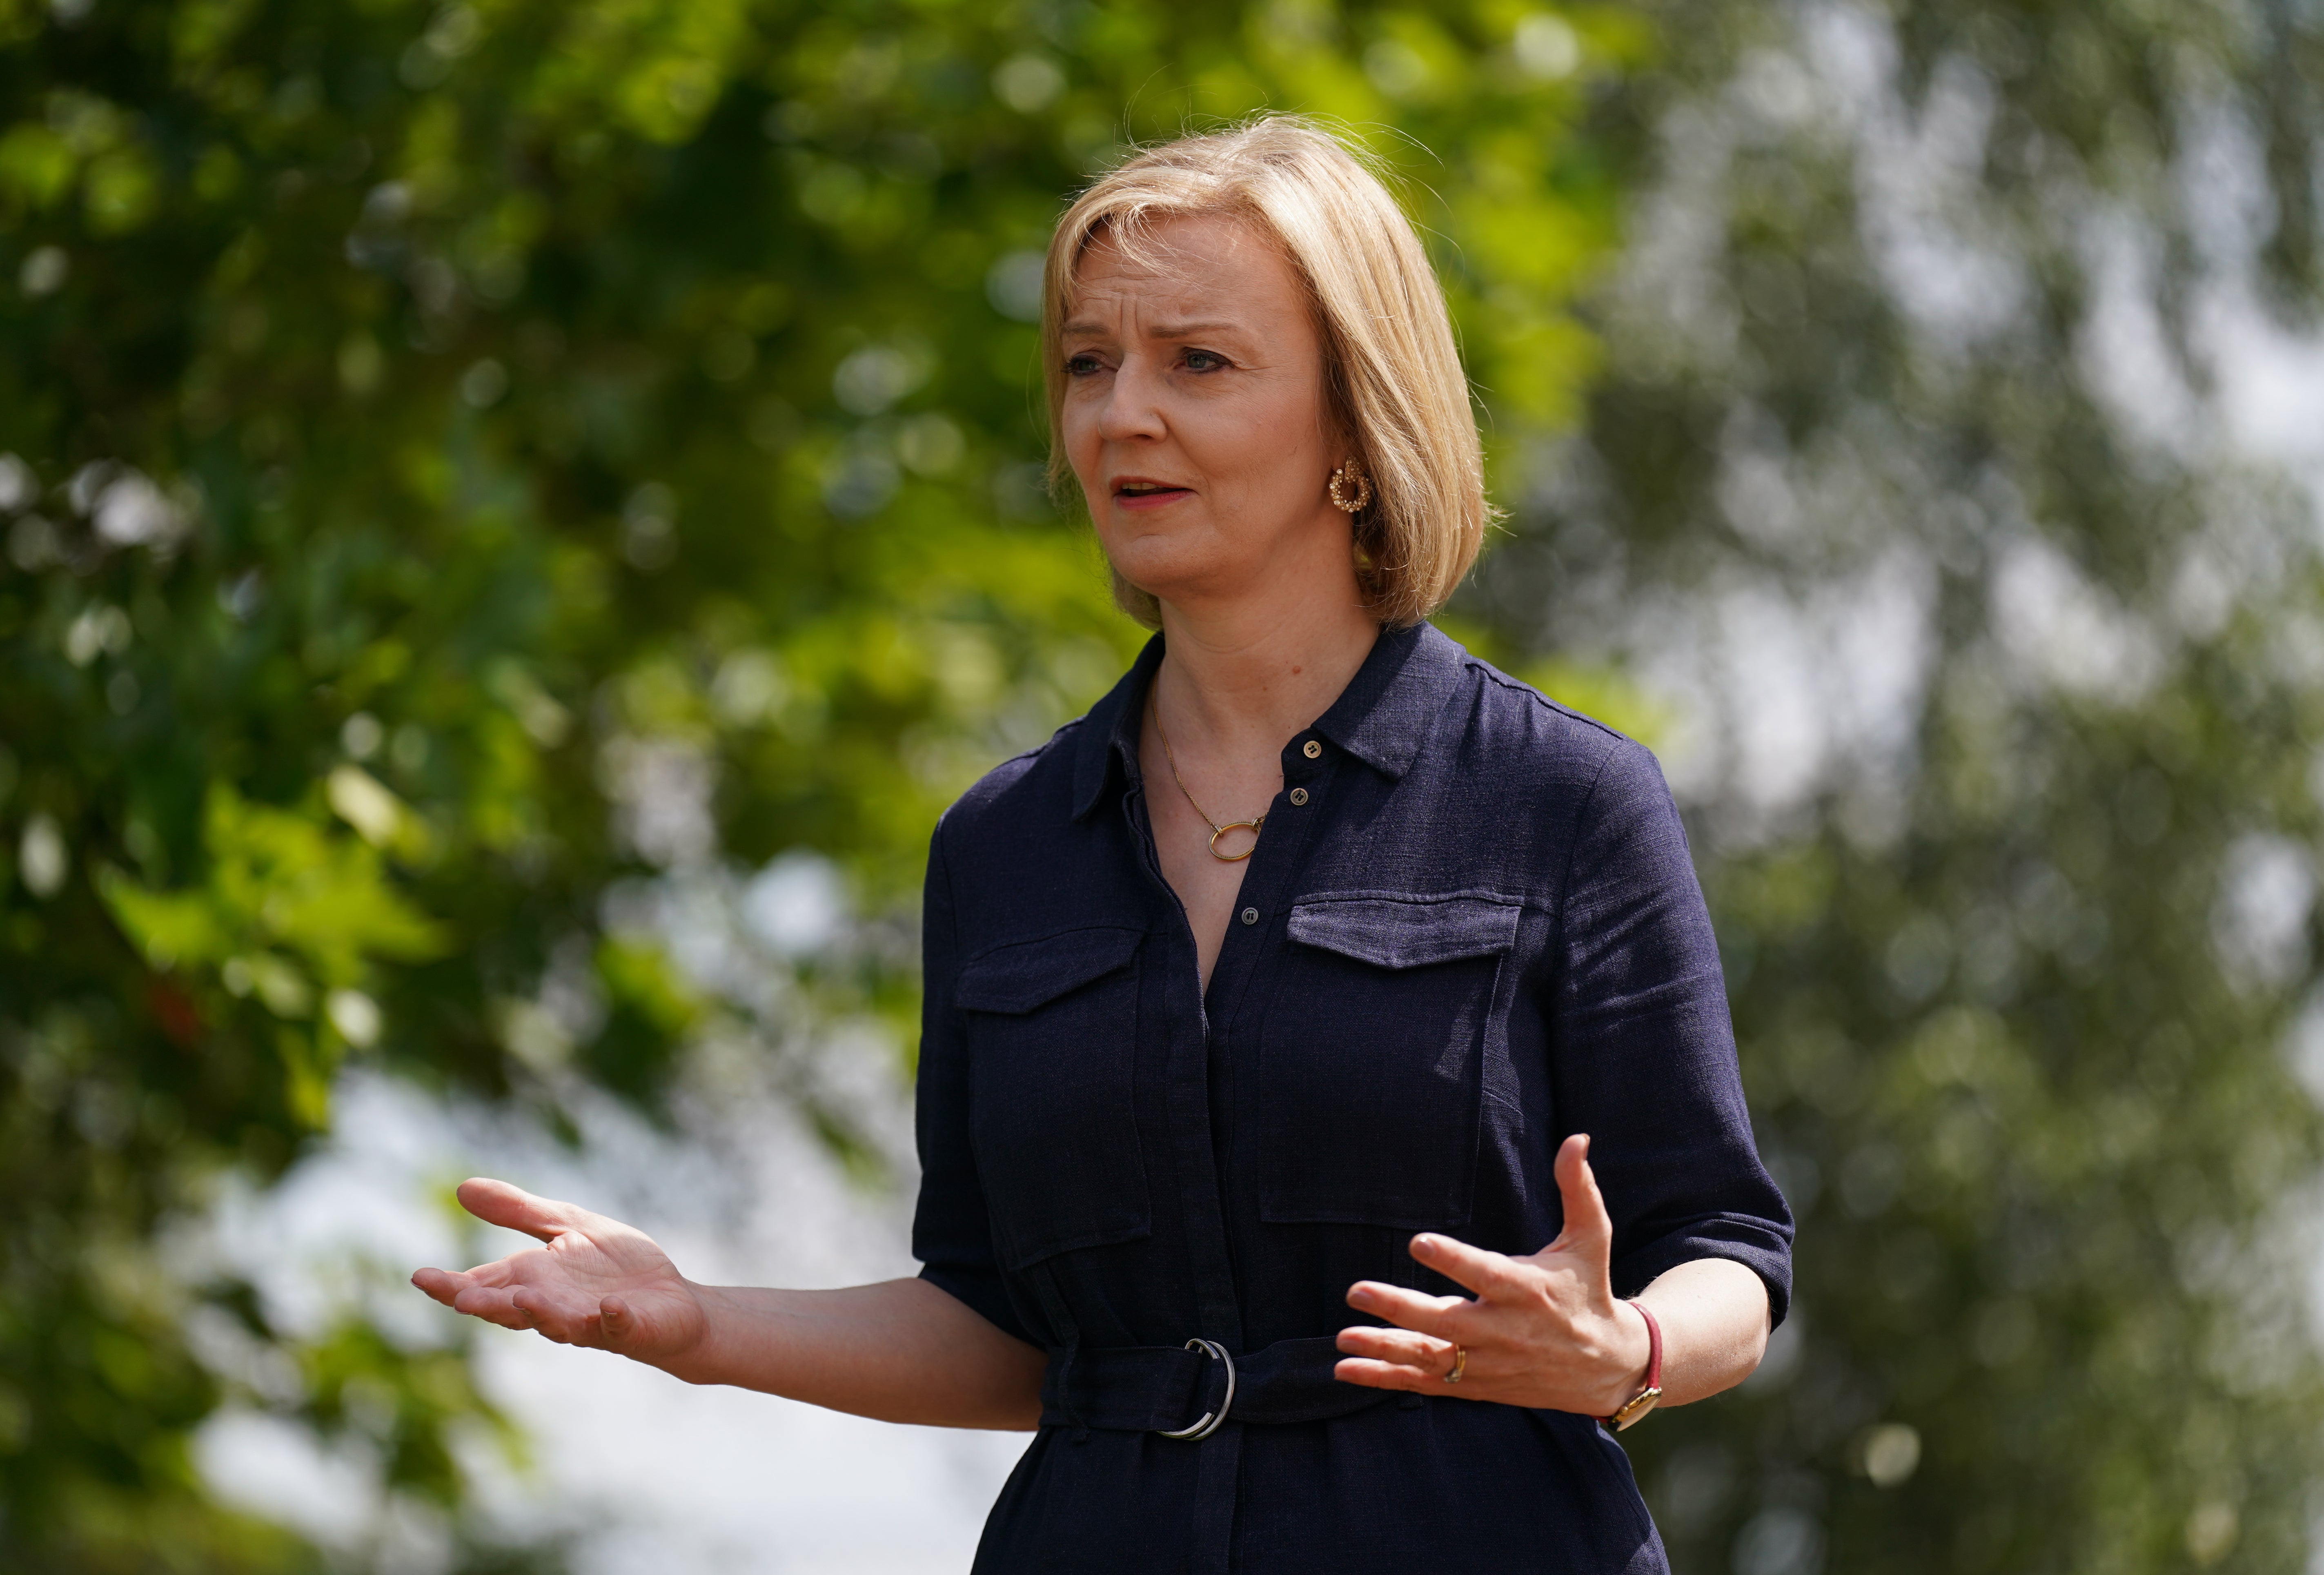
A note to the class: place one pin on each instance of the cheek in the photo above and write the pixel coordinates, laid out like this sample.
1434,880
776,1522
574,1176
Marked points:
1261,449
1077,430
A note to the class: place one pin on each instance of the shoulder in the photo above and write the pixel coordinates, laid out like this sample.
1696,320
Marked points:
1517,789
1604,788
1035,794
1034,788
1525,737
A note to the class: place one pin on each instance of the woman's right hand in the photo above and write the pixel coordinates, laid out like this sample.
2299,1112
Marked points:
596,1282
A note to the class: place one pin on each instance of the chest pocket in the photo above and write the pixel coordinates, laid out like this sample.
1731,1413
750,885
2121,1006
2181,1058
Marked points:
1052,1029
1371,1059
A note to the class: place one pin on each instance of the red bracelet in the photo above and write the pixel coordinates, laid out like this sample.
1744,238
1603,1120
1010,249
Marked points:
1644,1400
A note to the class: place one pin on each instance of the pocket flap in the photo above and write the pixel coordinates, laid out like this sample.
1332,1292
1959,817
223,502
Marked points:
1026,974
1395,931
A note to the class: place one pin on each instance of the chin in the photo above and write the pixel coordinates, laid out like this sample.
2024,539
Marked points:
1180,576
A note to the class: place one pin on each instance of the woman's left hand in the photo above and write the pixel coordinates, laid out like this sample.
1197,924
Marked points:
1544,1331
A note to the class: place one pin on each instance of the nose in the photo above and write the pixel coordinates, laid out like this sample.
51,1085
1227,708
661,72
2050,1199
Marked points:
1132,408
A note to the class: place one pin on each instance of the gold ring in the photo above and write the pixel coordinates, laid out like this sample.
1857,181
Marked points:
1460,1364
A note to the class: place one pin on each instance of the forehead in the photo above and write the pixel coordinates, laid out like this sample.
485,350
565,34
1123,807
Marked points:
1218,265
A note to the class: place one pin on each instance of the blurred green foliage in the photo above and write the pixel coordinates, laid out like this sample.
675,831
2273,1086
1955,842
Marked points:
1930,372
462,456
465,459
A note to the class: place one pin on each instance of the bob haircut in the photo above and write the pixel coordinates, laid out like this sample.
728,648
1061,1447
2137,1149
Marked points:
1392,373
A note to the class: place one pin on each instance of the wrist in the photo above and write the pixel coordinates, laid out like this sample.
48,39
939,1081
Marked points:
1629,1349
1644,1382
698,1356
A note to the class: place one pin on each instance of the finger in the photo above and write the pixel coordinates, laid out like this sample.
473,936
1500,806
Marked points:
1423,1352
442,1284
1413,1309
1589,1229
603,1326
617,1325
492,1306
496,1202
1488,1273
550,1318
1378,1375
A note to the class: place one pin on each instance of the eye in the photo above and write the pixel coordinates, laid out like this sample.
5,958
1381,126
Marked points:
1204,361
1081,365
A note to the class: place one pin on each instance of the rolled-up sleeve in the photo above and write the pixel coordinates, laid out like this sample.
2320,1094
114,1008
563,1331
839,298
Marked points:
1645,1051
951,1233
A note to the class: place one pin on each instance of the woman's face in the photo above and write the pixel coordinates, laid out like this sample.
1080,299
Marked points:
1195,416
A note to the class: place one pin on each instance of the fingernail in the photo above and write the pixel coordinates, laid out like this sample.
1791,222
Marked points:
1423,1247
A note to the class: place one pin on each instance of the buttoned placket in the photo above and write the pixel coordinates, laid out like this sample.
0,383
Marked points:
1268,882
1201,1079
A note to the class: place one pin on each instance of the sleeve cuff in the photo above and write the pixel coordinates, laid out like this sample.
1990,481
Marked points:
982,1293
1738,1244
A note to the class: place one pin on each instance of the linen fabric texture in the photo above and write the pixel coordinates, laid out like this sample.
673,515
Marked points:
1479,933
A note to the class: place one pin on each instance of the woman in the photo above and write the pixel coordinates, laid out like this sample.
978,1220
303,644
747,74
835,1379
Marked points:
1311,970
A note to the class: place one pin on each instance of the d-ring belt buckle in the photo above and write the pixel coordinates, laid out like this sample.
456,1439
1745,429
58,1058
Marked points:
1211,1421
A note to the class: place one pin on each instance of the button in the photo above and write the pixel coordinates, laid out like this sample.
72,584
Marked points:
1313,750
1298,795
1250,915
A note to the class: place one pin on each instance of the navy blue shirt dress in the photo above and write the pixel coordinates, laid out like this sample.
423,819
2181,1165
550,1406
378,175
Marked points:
1469,928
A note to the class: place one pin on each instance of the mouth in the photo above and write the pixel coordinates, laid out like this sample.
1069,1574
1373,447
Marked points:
1136,492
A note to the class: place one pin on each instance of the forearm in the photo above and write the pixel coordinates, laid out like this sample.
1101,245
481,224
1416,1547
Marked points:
901,1350
1713,1313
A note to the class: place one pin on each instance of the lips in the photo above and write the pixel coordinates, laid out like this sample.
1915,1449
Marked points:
1137,492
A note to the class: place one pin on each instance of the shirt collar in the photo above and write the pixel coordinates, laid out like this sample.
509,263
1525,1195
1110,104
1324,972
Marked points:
1384,714
1109,732
1381,717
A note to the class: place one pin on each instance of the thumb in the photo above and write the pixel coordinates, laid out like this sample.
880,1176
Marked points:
496,1202
1588,1229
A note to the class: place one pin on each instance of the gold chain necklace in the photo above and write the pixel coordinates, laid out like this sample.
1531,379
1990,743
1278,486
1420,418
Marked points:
1217,830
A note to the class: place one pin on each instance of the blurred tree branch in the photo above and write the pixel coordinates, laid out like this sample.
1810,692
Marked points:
1923,480
466,460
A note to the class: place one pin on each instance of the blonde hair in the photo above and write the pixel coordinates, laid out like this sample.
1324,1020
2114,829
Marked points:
1392,375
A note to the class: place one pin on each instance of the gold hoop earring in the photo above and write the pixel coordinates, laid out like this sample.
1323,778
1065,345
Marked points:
1351,474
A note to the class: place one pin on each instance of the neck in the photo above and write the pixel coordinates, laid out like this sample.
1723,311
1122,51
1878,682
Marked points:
1251,672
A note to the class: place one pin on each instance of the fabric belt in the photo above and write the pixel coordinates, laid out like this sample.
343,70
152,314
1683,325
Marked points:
1159,1388
1163,1388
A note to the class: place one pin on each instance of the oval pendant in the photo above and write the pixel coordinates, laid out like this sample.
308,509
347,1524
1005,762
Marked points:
1252,825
